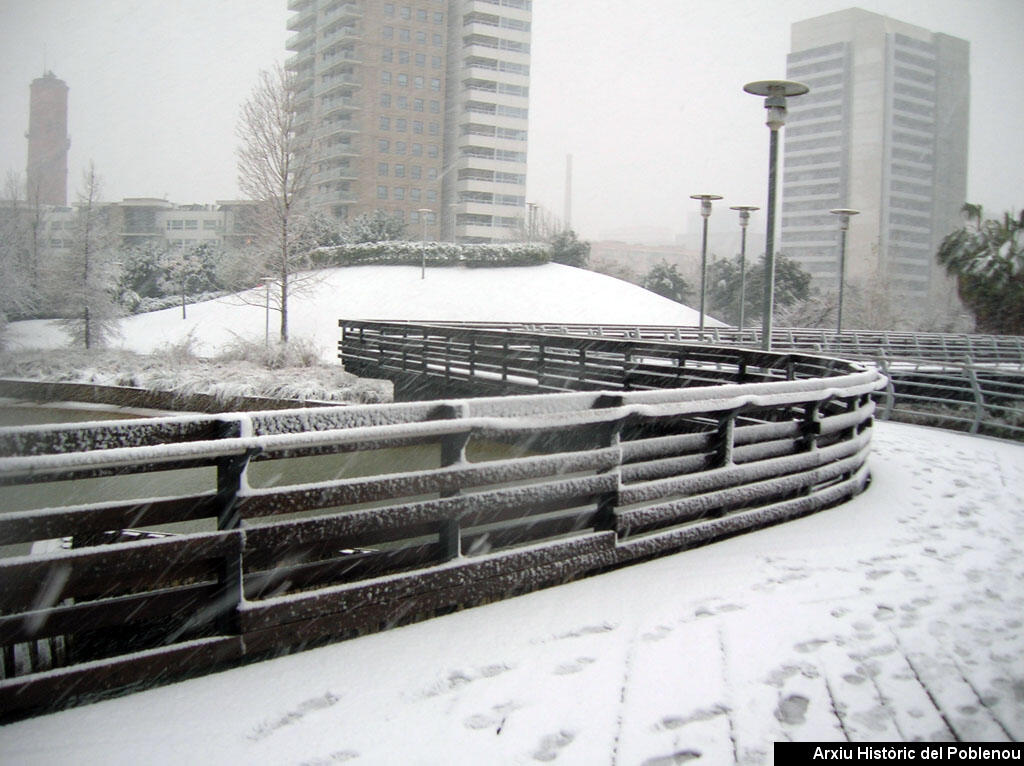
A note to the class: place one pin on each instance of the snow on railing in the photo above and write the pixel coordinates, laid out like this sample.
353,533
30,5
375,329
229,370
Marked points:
302,526
960,381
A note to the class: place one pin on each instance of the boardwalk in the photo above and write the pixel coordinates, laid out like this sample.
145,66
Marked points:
894,617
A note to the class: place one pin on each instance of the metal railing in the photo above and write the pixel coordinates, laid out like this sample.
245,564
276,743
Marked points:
682,445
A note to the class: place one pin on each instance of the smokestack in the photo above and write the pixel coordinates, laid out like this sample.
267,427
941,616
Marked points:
568,191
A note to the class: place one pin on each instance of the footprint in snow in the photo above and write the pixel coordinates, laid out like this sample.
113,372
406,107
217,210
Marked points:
682,756
568,668
551,744
792,709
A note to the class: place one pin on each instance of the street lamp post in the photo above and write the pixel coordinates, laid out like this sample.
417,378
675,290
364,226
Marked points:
744,211
705,212
775,92
844,214
423,244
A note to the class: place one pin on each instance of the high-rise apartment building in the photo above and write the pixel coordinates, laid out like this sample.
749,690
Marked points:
417,106
884,131
48,142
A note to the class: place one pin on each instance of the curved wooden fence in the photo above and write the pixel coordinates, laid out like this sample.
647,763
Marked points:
472,500
965,382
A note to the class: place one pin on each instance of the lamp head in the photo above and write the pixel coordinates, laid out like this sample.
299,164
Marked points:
705,202
775,92
744,211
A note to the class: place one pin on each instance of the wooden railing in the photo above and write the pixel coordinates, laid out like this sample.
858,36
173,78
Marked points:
973,383
849,344
280,542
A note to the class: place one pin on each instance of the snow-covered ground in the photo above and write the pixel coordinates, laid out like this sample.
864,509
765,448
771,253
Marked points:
896,616
549,293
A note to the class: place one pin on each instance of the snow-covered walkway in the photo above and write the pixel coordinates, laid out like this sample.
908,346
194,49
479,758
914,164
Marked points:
897,616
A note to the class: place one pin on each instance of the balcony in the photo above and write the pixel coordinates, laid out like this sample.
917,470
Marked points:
342,10
301,20
301,41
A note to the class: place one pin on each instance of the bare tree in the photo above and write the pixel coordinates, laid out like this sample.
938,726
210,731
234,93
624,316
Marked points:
87,280
274,170
16,292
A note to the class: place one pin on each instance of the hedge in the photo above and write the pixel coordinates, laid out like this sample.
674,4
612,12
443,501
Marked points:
406,253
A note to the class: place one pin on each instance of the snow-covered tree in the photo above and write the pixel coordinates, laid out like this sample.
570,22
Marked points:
274,170
17,296
665,280
377,226
87,277
986,256
567,248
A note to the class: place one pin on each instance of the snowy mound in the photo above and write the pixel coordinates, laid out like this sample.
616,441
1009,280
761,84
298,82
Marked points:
549,293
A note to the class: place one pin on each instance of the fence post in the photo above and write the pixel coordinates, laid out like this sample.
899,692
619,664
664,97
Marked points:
890,391
453,452
230,472
979,396
605,519
724,438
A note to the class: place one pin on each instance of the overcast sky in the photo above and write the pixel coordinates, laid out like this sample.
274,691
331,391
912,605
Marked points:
647,95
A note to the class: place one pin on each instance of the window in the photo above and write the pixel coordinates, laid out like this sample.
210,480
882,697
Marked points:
385,78
403,102
421,37
403,80
415,171
176,224
385,123
417,126
421,59
414,194
417,150
421,14
435,40
403,57
403,35
417,81
432,151
383,145
209,224
438,17
432,174
417,104
431,195
405,12
435,129
435,83
400,125
387,54
399,171
435,107
382,192
399,147
389,9
385,99
399,192
382,168
388,33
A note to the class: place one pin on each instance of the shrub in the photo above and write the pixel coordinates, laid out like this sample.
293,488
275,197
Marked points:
436,254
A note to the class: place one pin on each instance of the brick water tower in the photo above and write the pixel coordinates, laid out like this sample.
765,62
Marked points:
48,142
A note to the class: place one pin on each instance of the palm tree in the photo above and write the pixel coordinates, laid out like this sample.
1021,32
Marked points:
987,258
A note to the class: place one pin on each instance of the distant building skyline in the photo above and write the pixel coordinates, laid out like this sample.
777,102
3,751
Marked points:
420,106
884,131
